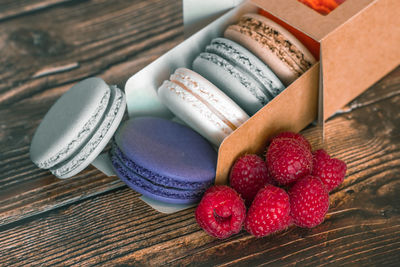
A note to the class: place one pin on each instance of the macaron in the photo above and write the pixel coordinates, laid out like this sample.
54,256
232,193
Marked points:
201,105
77,127
163,160
274,45
239,74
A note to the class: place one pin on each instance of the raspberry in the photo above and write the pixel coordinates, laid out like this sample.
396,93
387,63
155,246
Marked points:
248,175
309,202
331,171
320,154
221,212
296,136
288,161
269,213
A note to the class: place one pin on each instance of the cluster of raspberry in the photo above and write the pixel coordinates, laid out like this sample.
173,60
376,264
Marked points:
291,186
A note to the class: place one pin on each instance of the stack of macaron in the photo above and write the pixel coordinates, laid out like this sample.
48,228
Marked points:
235,76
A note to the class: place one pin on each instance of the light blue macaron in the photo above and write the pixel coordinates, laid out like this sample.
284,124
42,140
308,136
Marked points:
240,74
77,127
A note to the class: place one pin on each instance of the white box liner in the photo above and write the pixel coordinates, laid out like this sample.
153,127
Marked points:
141,88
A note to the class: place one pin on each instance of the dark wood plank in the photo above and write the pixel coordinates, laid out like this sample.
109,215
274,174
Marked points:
361,228
42,58
13,8
84,39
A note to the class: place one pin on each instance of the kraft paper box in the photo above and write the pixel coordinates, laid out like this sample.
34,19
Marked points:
359,43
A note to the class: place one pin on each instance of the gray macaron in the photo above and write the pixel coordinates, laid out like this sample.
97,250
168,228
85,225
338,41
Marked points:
77,127
240,74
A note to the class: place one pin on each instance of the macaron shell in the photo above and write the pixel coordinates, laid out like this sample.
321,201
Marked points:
70,122
98,140
252,42
248,63
237,85
168,149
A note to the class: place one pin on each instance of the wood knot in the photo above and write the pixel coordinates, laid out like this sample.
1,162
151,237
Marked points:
350,192
38,42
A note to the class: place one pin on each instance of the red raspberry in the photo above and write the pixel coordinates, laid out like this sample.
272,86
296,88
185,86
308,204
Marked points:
221,212
296,136
320,154
331,171
309,202
248,175
288,161
269,213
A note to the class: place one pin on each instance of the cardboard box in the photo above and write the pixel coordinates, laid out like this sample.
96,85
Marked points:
359,44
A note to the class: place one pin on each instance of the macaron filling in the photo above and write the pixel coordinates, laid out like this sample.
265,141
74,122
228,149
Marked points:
252,85
275,41
269,83
69,165
155,178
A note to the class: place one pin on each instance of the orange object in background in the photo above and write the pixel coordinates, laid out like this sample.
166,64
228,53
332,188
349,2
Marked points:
306,40
323,7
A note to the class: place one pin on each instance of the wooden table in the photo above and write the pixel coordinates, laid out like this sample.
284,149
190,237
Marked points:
48,45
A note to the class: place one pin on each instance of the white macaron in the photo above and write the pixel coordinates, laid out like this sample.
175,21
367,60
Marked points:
201,105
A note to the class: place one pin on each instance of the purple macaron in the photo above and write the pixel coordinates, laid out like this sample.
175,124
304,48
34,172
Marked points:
163,160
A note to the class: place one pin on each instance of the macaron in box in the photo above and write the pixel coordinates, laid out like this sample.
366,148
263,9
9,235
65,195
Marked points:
239,73
291,109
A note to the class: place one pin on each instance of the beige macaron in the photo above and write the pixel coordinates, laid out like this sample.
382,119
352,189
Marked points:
278,48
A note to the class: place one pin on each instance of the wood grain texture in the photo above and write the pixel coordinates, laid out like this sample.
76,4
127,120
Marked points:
92,219
11,8
62,45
